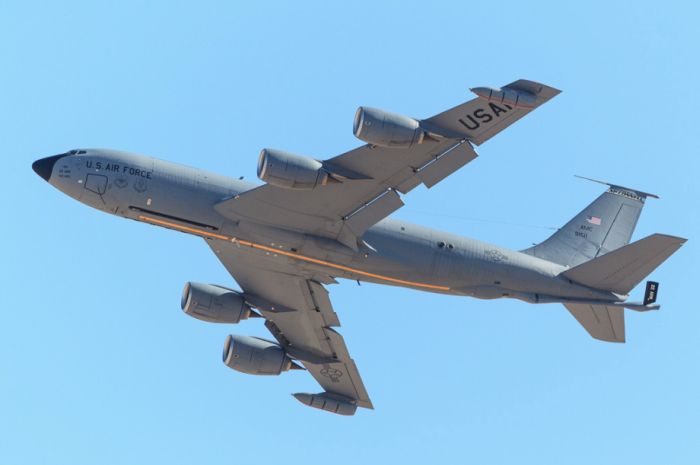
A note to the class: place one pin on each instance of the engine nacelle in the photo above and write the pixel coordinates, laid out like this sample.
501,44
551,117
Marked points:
385,129
255,356
284,169
214,304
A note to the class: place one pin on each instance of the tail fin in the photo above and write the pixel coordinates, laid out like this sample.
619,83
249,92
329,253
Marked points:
621,270
605,225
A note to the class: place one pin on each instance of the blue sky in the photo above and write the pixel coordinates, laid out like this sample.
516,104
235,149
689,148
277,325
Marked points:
99,365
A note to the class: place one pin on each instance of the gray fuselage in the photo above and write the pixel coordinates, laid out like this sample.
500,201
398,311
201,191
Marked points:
398,253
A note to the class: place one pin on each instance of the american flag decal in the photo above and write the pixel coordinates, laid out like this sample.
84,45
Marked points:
593,220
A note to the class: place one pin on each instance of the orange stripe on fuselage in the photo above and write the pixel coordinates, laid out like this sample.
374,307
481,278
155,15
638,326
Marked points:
297,256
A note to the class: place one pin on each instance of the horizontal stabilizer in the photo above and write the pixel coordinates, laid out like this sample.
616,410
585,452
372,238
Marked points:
622,269
603,322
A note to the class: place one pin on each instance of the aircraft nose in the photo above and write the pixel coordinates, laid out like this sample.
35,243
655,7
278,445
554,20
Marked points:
44,166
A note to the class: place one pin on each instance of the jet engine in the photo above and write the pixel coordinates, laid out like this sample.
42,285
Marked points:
215,304
255,356
290,171
385,129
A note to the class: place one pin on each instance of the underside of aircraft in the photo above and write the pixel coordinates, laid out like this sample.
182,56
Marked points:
314,221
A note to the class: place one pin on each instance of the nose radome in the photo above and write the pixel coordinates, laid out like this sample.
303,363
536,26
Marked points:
44,166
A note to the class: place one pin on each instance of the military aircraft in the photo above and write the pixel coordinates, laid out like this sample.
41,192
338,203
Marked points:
313,221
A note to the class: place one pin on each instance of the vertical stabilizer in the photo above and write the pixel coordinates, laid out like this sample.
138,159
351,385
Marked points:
604,225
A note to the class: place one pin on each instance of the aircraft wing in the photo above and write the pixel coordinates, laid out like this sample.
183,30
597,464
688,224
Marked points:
344,211
299,314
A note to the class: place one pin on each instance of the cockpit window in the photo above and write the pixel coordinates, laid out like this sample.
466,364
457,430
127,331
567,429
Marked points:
76,152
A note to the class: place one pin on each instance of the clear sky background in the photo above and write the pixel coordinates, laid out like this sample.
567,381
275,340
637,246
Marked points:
99,365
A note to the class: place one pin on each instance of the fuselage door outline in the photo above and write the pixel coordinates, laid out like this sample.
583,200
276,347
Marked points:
96,183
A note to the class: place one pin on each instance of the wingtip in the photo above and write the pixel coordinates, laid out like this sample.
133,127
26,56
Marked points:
542,90
365,403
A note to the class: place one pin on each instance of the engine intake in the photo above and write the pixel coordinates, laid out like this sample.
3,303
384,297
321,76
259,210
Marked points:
215,304
255,356
379,127
290,171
